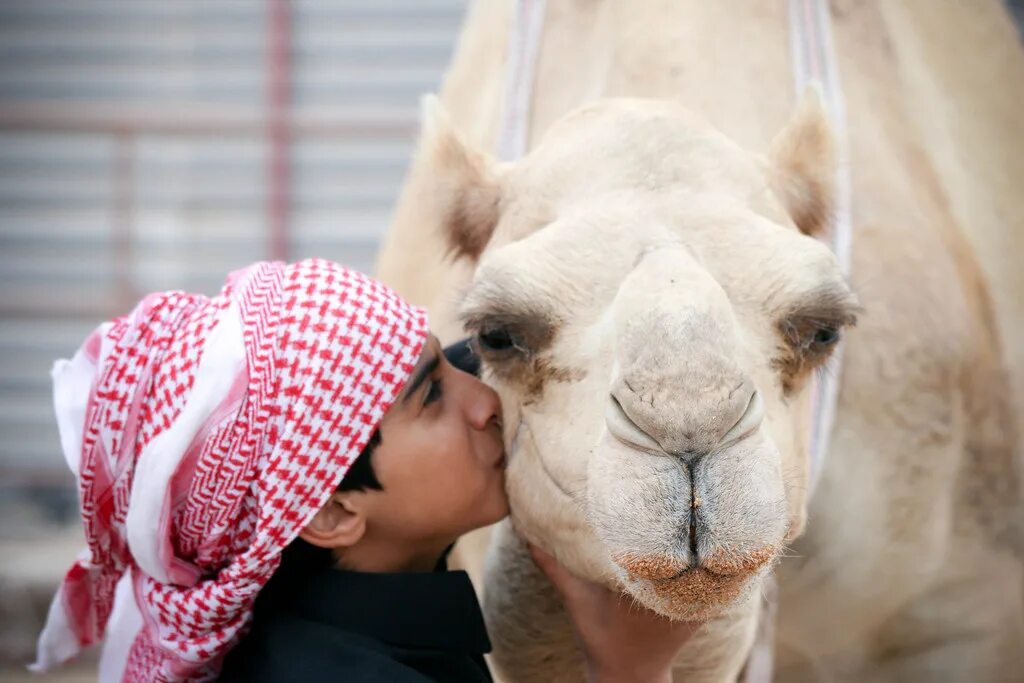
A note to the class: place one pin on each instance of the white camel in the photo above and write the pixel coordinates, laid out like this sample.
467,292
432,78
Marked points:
650,302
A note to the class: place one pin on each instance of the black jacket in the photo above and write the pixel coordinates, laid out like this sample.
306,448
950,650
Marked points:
314,623
337,626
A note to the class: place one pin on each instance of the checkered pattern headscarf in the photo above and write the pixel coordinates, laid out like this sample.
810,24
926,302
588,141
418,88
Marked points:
205,434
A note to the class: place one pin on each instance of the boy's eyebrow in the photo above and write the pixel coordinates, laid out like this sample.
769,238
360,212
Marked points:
420,374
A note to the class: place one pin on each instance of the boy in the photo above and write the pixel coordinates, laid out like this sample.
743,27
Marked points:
299,448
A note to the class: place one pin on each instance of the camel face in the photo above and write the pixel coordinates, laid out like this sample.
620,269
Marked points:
650,311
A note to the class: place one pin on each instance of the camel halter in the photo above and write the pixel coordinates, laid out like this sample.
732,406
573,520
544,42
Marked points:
520,69
814,66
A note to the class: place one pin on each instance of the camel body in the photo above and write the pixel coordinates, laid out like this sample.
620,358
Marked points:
909,567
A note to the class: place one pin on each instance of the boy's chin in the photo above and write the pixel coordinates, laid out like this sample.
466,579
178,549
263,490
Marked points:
498,515
491,514
499,509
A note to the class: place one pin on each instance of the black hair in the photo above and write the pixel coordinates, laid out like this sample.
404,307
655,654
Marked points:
300,560
360,476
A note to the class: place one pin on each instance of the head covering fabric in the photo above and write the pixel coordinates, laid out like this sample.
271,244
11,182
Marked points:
205,433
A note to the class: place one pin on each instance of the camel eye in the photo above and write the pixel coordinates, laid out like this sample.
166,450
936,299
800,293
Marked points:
500,337
496,339
826,336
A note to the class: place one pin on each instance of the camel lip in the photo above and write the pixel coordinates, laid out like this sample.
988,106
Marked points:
662,571
691,571
687,573
750,562
695,593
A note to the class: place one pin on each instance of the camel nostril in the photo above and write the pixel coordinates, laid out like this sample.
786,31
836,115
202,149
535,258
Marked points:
623,428
661,433
749,421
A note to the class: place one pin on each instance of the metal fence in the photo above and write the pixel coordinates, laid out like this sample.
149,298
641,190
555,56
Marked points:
147,144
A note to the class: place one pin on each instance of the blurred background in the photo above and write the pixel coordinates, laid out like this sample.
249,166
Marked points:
147,144
150,145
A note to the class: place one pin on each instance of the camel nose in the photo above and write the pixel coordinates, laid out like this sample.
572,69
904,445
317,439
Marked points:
679,383
688,432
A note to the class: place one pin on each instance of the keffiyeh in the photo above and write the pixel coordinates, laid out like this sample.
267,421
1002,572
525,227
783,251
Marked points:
205,433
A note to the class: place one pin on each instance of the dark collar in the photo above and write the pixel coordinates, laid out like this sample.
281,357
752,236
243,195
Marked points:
429,610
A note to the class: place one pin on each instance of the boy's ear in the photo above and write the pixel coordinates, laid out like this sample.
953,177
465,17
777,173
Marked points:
338,524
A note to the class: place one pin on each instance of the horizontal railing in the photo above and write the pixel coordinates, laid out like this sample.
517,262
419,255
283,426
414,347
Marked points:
204,119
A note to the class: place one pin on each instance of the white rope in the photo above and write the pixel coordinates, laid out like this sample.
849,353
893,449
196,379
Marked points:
520,70
814,66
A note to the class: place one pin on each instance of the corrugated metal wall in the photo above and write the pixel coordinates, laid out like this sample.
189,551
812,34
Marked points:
133,157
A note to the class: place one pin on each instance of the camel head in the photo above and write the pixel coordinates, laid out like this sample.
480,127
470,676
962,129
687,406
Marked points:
650,303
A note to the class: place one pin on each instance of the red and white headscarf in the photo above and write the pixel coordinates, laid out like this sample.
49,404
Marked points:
205,433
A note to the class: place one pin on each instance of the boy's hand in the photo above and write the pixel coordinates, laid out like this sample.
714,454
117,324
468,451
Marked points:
620,640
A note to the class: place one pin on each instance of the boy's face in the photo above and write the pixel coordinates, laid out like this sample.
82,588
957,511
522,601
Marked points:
441,460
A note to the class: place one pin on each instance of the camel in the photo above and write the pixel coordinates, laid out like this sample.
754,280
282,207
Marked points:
649,300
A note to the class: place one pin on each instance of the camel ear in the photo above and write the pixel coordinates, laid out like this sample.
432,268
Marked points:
461,182
803,166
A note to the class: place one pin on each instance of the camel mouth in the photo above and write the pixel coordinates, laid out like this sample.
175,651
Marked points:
720,563
682,590
740,564
696,593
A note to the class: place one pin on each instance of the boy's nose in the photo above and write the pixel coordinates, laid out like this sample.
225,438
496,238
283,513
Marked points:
483,407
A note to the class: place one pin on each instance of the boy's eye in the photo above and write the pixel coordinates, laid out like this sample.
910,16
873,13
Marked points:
433,392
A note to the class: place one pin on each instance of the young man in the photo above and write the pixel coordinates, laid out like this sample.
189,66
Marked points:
270,480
